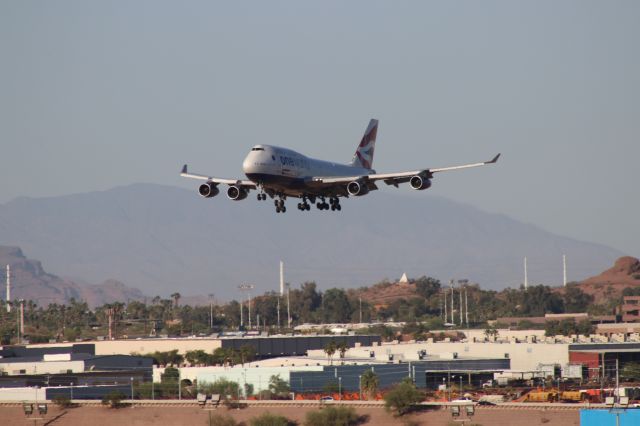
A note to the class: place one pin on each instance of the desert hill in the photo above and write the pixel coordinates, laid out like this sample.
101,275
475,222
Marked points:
31,282
625,273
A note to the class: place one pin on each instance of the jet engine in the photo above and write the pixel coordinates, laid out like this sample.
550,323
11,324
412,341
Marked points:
209,190
357,188
418,182
236,193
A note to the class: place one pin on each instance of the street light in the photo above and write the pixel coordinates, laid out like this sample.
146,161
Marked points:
71,390
131,392
340,388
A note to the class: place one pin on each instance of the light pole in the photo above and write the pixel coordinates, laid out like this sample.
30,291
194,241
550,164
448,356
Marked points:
211,311
340,388
131,392
245,288
71,388
288,306
179,384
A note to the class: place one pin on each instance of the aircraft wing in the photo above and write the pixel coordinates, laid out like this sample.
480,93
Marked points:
396,178
244,183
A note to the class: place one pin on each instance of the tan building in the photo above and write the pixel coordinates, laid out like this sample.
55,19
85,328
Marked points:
630,309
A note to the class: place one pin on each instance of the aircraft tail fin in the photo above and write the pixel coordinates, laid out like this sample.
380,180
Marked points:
364,153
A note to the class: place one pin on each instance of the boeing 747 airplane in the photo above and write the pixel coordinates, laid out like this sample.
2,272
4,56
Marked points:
281,173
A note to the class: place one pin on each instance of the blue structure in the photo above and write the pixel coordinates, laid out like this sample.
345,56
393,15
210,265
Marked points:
425,374
628,417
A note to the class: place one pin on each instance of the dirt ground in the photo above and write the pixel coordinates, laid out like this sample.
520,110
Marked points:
161,416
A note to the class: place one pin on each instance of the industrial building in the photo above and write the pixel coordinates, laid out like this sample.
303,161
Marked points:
265,346
72,370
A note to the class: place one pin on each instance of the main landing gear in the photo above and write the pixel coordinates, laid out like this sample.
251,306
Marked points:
280,207
334,203
304,205
262,196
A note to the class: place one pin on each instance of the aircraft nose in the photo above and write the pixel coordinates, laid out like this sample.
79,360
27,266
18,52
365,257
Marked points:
247,164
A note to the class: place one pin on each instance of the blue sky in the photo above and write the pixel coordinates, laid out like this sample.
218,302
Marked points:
99,94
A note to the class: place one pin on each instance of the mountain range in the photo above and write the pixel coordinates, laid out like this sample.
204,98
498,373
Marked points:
31,282
163,239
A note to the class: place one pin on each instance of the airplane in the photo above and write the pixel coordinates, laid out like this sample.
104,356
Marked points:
281,173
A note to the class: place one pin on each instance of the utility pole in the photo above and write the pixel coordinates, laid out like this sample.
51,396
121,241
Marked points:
564,270
281,278
451,284
278,308
8,288
288,306
444,298
360,299
460,292
526,280
466,306
211,311
21,320
245,288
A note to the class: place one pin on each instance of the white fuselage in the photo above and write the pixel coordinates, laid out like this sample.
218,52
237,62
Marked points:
290,172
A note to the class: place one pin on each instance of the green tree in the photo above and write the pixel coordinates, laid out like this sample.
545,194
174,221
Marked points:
342,348
403,397
278,386
491,332
223,387
170,375
576,300
369,383
336,307
246,353
330,349
427,287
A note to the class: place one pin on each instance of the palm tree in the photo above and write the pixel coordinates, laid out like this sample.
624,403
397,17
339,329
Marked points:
330,350
369,383
342,348
176,298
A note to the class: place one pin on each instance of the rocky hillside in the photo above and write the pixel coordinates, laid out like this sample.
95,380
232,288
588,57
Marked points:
30,281
625,273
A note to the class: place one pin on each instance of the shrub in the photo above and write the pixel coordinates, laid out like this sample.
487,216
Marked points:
113,399
219,420
62,401
268,419
335,416
403,397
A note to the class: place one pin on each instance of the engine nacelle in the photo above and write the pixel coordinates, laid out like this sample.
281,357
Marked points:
209,190
237,193
357,188
419,182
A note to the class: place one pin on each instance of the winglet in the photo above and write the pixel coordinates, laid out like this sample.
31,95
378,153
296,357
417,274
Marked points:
495,160
184,170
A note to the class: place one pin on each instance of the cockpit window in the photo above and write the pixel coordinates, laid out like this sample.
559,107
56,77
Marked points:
257,149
